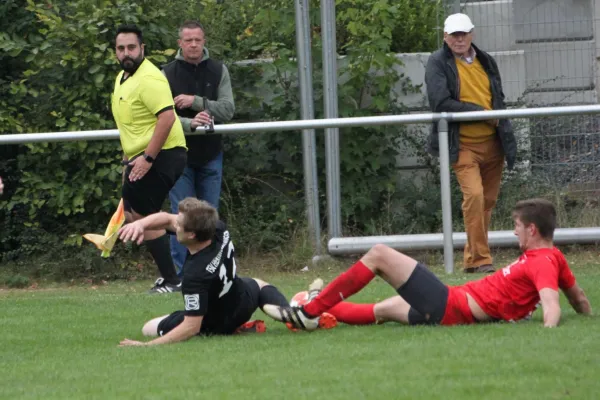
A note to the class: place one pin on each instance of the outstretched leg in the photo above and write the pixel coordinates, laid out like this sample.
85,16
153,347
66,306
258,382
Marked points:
393,309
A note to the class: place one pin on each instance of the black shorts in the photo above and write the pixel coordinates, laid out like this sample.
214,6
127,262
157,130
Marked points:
147,195
227,323
427,296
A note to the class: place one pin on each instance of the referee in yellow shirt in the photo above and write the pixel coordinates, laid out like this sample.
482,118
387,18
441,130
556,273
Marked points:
153,144
461,77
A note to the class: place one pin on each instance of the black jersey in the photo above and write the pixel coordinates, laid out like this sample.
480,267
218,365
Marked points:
210,285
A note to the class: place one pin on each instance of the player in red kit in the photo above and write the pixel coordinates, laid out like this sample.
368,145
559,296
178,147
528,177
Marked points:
510,294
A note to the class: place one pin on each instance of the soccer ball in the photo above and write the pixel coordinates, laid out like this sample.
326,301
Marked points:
299,299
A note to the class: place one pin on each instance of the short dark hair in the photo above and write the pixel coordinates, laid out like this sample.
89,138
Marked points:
199,217
190,24
130,28
539,212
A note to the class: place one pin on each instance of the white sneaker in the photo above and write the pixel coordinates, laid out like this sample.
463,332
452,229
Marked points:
314,289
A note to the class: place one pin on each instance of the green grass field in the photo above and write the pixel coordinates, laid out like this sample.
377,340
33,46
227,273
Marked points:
61,343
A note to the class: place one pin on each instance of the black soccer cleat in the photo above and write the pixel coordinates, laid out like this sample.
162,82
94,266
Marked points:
161,287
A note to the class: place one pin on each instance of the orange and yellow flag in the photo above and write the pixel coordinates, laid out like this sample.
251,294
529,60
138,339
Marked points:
107,241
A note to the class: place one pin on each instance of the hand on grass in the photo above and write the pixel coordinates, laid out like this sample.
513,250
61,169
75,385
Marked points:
129,342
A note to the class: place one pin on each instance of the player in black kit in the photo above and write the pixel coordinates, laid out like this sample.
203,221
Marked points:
217,301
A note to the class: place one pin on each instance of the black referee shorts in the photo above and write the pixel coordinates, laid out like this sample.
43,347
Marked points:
147,195
226,323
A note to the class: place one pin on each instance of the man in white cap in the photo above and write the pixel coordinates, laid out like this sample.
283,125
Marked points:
461,77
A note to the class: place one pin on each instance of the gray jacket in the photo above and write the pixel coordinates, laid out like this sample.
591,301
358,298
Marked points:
443,91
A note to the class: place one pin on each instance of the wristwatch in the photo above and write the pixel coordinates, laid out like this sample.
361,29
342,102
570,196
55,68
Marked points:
148,158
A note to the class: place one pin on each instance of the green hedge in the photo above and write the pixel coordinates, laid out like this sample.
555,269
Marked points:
58,65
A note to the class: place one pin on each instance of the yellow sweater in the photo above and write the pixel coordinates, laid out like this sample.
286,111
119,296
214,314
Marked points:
475,88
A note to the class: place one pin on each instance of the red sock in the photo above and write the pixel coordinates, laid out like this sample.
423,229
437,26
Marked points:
353,314
342,287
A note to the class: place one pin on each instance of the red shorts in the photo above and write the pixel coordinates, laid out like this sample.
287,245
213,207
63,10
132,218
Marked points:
457,311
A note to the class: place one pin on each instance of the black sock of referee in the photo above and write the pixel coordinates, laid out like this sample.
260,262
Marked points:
161,252
271,295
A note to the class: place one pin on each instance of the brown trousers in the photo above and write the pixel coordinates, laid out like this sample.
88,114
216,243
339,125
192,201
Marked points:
479,173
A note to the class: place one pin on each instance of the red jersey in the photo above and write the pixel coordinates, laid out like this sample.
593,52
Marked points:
512,293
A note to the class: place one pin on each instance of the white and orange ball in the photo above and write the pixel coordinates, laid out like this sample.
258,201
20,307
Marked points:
299,299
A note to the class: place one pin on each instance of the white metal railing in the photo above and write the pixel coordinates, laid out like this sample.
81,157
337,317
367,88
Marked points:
353,245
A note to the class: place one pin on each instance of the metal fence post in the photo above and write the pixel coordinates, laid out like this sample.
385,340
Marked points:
332,138
446,198
309,143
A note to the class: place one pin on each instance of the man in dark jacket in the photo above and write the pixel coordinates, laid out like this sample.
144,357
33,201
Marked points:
461,77
201,89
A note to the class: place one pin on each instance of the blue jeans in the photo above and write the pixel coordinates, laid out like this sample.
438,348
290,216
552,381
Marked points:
203,183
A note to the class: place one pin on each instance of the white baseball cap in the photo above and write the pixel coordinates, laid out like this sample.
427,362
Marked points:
458,23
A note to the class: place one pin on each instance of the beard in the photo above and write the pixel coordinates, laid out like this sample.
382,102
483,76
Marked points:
130,65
